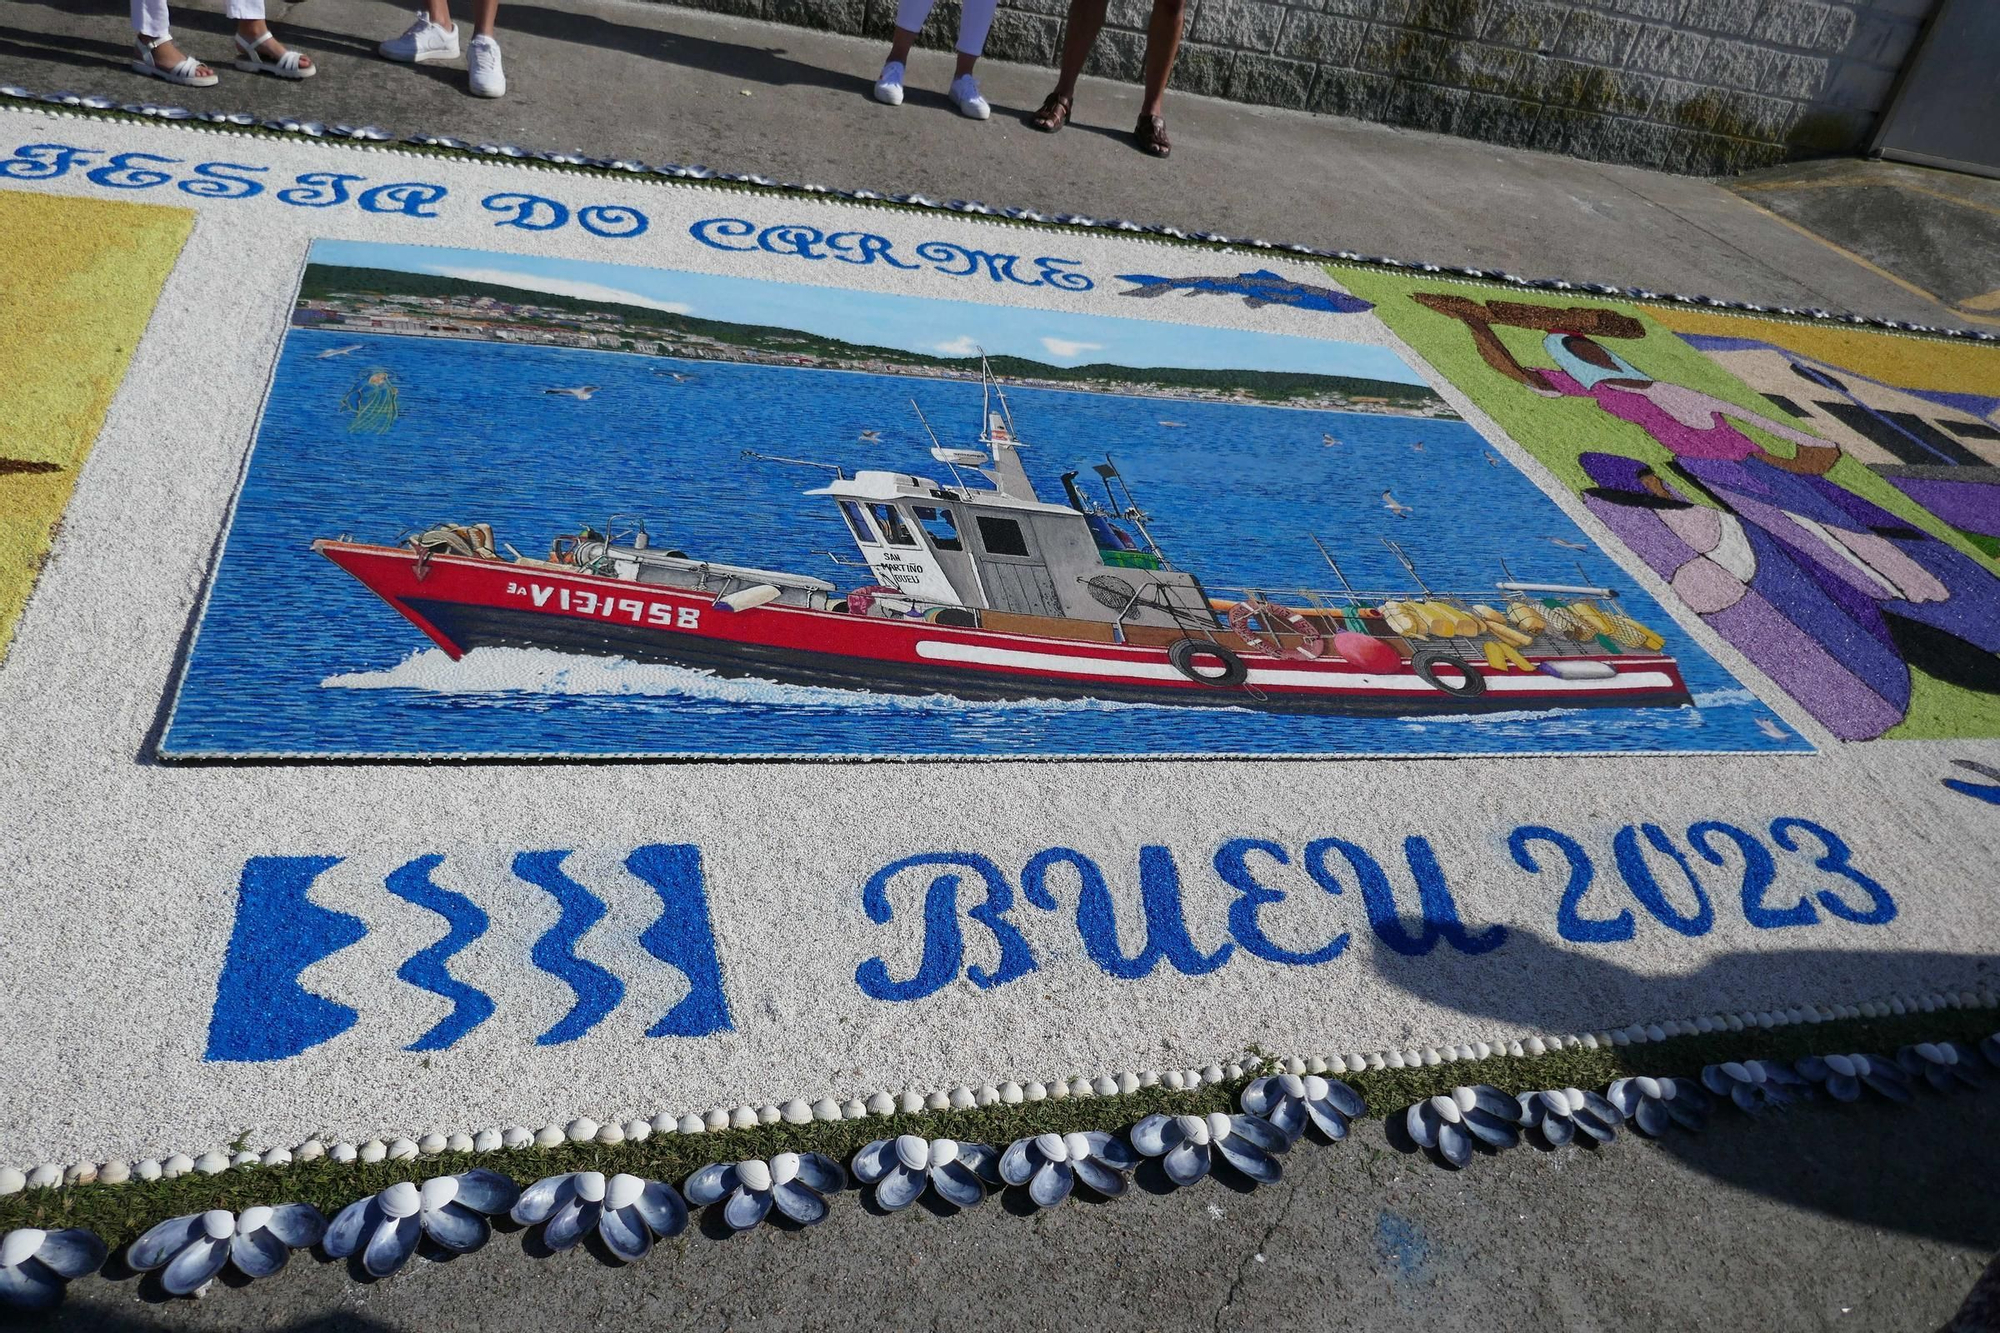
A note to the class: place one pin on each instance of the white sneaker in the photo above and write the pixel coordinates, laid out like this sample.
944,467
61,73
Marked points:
482,63
423,41
965,96
889,88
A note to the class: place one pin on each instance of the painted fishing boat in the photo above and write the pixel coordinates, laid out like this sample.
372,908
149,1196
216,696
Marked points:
990,592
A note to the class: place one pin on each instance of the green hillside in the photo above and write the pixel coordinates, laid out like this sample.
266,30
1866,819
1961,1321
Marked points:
324,281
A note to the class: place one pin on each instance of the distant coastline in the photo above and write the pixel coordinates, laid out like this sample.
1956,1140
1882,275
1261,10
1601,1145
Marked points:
387,302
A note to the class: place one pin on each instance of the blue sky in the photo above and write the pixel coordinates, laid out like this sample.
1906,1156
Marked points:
917,324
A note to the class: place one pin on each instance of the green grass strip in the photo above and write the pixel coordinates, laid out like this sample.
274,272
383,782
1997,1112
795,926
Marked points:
118,1213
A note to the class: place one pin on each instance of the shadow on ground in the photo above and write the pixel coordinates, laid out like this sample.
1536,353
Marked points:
1529,984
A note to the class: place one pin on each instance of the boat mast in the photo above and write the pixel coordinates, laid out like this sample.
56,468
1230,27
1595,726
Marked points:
1327,555
1409,565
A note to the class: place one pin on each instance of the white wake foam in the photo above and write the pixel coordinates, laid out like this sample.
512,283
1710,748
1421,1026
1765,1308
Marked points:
543,671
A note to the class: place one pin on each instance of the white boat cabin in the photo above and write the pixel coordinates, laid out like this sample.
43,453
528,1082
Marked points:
1006,549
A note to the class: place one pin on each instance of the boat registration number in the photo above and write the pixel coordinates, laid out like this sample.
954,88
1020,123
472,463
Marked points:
584,602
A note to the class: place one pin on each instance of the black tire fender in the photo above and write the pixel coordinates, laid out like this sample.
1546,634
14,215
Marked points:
1183,652
1426,661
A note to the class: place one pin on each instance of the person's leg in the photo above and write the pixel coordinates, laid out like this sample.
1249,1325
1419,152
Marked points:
975,19
484,75
431,37
910,16
149,22
250,26
1086,20
1163,44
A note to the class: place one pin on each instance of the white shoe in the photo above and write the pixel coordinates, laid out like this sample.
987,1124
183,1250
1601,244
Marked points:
422,42
482,63
965,96
889,88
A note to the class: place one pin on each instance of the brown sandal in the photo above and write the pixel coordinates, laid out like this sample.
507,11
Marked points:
1053,115
1151,135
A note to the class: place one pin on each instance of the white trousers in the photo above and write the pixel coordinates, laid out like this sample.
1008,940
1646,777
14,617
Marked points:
149,17
973,21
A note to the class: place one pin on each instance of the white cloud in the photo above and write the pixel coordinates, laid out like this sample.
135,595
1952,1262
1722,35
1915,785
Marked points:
1067,350
582,291
961,346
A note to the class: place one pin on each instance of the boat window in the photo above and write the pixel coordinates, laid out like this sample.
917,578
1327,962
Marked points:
890,520
856,524
1001,536
938,526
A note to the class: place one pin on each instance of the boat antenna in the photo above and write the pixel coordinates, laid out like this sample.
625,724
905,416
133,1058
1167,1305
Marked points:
834,468
1409,565
926,424
937,446
1327,555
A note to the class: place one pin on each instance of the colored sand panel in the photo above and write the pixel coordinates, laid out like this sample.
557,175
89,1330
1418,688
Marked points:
82,276
1756,479
677,426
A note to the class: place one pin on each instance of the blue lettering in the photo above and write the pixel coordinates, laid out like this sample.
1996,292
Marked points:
215,183
318,189
1834,858
1638,877
1439,918
44,161
407,197
529,212
1097,922
120,173
1232,866
712,232
615,221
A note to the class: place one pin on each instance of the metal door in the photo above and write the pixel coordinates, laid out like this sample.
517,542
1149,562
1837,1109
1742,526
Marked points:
1946,112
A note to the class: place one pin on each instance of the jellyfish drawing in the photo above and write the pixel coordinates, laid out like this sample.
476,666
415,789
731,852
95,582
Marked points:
372,402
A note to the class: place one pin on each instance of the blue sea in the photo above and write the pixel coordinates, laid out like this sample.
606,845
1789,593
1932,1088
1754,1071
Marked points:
295,658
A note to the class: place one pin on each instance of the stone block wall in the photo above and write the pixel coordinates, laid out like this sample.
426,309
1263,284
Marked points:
1696,86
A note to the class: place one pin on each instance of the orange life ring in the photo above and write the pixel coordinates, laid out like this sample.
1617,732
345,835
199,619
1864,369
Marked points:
1311,642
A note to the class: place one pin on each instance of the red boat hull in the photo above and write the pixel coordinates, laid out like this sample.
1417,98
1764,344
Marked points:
462,604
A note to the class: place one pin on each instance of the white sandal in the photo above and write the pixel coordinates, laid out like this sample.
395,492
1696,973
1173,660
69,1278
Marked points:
286,66
183,74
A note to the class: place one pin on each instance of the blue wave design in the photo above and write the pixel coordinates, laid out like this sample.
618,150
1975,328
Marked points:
261,1011
597,991
426,969
682,937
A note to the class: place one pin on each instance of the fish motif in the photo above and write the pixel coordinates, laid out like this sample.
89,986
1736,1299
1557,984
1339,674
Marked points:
1258,289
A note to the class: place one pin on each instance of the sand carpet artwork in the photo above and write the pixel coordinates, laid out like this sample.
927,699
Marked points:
638,672
82,276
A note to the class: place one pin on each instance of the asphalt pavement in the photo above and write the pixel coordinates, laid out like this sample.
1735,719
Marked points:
617,78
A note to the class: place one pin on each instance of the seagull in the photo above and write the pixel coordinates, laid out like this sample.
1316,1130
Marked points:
871,435
1567,546
1491,461
674,375
581,393
332,352
1329,441
1418,445
1772,729
1174,425
1395,506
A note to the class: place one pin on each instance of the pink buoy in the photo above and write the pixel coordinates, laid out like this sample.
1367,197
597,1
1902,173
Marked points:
1366,651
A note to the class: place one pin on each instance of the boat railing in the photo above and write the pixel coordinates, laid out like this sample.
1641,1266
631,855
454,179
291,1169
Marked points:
1332,599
